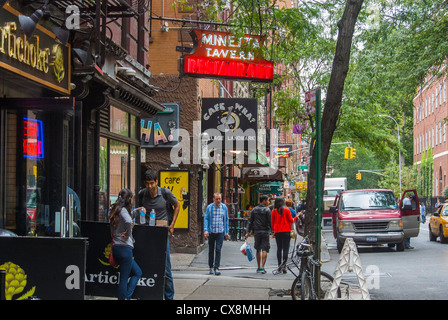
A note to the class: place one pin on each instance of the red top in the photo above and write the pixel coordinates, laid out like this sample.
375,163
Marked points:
281,223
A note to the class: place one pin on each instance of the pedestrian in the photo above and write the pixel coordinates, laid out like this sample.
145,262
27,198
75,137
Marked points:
281,220
216,228
290,206
157,198
423,212
260,225
121,226
408,203
438,203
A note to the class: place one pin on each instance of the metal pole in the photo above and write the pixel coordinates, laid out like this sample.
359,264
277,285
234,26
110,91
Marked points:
399,143
2,284
318,191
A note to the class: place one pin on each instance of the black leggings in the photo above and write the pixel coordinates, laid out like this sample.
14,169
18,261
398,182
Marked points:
282,239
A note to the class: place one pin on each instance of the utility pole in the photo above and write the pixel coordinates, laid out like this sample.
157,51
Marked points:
318,216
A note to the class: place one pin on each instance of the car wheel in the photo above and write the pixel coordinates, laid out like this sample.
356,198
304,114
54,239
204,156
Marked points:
400,246
339,245
432,236
442,237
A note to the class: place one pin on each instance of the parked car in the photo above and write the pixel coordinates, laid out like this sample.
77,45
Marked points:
372,216
438,224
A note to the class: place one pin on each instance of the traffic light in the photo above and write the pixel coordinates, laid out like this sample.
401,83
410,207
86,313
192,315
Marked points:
358,176
347,153
352,153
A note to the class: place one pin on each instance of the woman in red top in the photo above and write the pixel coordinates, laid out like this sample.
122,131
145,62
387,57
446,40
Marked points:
281,220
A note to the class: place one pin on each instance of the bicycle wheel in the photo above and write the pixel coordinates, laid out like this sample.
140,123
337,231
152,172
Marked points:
296,288
326,281
306,288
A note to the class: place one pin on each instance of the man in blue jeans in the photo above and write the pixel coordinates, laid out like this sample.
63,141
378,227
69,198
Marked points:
152,198
216,228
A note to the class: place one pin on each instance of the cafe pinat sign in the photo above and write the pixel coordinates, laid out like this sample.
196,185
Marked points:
39,58
222,55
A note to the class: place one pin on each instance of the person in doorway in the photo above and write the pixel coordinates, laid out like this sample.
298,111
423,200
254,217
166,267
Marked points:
216,229
260,225
423,212
121,226
153,197
281,221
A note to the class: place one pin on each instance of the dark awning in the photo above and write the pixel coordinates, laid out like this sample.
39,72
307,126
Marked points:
261,174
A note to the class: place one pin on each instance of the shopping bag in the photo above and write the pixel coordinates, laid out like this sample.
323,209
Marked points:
249,252
243,248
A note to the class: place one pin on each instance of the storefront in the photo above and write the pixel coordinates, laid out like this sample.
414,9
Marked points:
37,128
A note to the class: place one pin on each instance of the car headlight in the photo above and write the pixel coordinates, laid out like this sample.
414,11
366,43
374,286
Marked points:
395,224
446,225
345,225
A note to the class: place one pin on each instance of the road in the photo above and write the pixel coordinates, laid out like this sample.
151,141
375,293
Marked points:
418,273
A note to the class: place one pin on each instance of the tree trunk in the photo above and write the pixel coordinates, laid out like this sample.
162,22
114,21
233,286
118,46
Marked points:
332,105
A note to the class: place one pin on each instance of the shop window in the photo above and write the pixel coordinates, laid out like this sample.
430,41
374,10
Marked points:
118,160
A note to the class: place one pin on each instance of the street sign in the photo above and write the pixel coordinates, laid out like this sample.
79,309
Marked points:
302,167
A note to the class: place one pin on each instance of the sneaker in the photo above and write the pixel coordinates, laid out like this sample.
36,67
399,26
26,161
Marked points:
211,271
262,271
217,273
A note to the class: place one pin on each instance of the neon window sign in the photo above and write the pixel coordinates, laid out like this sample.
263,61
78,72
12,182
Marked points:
33,139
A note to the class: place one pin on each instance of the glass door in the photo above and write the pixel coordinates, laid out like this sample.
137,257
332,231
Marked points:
38,168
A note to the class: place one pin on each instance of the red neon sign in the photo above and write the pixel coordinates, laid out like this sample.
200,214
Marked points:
220,55
33,146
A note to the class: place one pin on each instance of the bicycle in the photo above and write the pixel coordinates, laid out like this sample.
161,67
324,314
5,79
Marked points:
303,287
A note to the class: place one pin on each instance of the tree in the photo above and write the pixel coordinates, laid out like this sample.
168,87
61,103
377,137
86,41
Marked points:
333,102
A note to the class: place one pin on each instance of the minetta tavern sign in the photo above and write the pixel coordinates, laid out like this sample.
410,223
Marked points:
39,58
222,55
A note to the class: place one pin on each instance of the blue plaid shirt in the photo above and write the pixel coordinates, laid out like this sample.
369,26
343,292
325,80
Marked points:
216,219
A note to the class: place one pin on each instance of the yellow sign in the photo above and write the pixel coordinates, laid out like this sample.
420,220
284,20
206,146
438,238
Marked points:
179,184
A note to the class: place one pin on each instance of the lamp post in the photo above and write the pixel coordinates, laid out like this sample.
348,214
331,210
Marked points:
399,152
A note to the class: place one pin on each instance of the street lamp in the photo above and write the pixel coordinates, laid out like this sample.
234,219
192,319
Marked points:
399,152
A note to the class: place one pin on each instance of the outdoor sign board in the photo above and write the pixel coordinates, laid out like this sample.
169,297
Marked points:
283,152
44,268
39,58
159,131
222,55
178,181
232,121
149,252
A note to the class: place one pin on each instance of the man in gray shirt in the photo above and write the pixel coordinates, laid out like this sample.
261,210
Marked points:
152,197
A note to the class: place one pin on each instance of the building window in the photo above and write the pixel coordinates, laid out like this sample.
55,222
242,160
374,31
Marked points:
118,159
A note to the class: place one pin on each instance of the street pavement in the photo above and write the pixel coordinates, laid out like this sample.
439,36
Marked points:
239,279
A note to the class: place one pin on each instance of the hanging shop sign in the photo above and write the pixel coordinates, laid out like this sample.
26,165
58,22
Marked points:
159,131
39,58
231,123
283,152
222,55
178,181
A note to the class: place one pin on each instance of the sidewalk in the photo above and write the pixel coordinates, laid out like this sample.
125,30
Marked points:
238,279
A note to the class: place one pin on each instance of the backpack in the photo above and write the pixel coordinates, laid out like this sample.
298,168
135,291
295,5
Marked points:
169,206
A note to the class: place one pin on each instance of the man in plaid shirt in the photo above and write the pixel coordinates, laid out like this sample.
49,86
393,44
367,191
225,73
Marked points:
216,228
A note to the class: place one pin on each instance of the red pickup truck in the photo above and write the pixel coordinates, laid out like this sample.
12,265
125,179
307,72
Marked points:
373,216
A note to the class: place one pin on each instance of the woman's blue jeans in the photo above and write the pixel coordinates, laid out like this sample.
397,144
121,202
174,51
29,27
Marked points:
128,268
